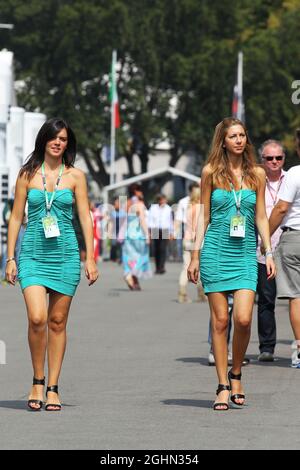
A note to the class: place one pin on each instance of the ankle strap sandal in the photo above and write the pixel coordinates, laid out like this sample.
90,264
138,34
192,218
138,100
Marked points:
236,396
221,388
36,402
52,406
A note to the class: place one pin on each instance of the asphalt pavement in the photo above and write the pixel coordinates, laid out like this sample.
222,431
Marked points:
135,376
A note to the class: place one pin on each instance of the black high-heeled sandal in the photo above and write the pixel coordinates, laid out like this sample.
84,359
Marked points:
53,388
236,396
34,401
221,388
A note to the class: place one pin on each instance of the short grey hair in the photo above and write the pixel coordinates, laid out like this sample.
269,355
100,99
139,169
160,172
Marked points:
270,142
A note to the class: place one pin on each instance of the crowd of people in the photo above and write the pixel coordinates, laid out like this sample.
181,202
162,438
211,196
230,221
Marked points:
236,230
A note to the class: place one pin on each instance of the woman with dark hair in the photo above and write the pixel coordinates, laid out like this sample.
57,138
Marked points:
49,259
135,236
233,196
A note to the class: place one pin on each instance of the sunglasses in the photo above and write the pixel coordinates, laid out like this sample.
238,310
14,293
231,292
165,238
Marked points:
279,158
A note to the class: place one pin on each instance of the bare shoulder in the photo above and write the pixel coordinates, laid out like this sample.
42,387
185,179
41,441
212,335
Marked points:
206,176
137,206
260,173
22,181
206,171
76,173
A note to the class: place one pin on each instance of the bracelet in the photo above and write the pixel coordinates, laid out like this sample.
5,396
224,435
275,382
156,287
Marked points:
10,259
268,253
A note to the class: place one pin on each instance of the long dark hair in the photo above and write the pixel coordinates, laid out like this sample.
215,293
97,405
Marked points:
49,131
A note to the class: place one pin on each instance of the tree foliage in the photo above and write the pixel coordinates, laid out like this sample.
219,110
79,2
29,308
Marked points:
177,68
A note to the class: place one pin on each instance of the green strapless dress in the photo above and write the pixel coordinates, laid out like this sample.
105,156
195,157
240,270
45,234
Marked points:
229,263
50,262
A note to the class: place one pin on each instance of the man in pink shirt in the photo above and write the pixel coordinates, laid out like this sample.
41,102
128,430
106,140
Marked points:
273,157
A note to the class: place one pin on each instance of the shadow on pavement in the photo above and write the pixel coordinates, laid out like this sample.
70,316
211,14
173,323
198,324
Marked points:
208,404
14,404
288,342
284,362
278,362
22,405
193,403
118,290
199,360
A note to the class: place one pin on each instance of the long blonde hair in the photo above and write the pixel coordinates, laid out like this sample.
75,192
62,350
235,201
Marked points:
218,159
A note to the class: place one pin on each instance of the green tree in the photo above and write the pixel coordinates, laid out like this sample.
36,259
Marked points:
177,68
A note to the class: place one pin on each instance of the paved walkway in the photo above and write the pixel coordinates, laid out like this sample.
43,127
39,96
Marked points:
135,376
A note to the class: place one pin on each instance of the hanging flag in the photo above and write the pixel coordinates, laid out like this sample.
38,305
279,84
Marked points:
113,94
234,108
238,109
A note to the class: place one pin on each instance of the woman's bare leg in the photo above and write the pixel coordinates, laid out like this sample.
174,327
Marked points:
219,325
36,304
243,301
59,306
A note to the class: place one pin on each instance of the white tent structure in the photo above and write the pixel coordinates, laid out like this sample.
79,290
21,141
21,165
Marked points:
146,176
18,130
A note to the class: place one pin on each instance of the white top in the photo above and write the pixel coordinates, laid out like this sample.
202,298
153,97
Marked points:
271,198
181,212
160,217
290,192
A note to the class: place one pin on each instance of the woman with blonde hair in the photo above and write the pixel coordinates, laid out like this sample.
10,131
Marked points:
233,196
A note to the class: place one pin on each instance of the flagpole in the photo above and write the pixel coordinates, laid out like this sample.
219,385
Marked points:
240,110
112,128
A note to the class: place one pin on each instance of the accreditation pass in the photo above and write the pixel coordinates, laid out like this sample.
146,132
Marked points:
50,226
237,226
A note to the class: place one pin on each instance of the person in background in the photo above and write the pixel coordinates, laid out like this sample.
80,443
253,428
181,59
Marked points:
188,215
95,216
286,214
272,155
117,216
180,219
5,217
135,237
162,230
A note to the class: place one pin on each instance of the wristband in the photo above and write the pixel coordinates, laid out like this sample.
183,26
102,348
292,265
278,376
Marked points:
269,253
10,259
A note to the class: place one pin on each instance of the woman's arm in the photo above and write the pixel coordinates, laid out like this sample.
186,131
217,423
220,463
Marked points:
143,222
14,225
261,218
262,222
277,214
202,223
82,202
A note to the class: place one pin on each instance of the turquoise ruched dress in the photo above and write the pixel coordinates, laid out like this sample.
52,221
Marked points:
229,263
50,262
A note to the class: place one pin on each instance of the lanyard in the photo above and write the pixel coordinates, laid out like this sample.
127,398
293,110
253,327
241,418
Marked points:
49,204
271,190
237,200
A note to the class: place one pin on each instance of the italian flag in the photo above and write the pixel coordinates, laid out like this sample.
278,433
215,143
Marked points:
113,94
